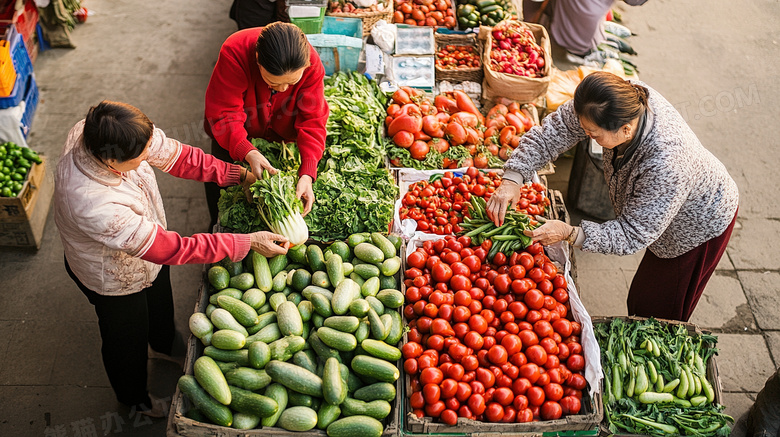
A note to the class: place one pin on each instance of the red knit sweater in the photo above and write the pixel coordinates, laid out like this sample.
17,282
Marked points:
239,104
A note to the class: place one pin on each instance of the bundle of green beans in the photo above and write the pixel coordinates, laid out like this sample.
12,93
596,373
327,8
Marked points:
655,379
506,238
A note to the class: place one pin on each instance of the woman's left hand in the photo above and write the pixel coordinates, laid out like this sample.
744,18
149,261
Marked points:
249,179
551,232
305,192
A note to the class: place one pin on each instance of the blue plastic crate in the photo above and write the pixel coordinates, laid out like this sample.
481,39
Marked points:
352,27
31,98
24,70
337,52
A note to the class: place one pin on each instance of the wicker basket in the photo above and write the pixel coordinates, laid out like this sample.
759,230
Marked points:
369,18
464,74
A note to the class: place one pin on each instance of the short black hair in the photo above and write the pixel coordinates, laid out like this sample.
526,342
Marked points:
114,130
609,101
282,48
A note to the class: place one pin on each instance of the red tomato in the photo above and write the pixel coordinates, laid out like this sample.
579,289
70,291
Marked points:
461,314
470,363
552,362
504,396
555,374
543,328
518,359
417,400
545,286
411,350
526,260
449,388
570,405
459,282
498,355
410,366
486,377
524,416
553,391
441,272
458,351
549,270
417,259
449,417
494,412
529,338
474,340
436,409
561,295
575,363
502,283
463,392
530,372
455,372
559,282
516,272
463,298
535,396
563,351
549,345
512,344
458,268
576,381
477,404
473,263
544,378
534,299
551,411
536,354
431,393
576,328
431,375
478,323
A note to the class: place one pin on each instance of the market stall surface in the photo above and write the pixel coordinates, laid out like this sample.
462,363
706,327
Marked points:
159,55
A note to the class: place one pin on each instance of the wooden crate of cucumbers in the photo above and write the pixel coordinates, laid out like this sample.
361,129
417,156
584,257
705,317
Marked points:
299,343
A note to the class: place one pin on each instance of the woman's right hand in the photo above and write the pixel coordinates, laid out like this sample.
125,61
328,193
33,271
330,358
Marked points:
258,162
266,243
507,194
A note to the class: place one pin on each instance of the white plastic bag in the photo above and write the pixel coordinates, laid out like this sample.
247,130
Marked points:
384,35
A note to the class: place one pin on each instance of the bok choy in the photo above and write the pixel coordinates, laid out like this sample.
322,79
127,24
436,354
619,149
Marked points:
275,199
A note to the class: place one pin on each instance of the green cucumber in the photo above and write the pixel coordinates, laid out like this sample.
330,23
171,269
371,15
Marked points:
240,356
299,400
297,254
227,339
338,340
254,297
347,268
322,350
343,323
341,249
233,292
289,319
263,278
200,325
212,379
315,258
357,278
369,253
377,325
396,329
347,291
277,299
327,414
268,334
213,410
222,319
243,282
279,282
218,277
355,239
284,348
388,282
387,322
353,382
234,268
311,290
376,304
396,240
265,309
244,401
305,308
377,409
391,298
367,271
334,390
241,311
335,269
370,287
320,279
321,305
306,359
278,393
356,426
277,264
363,331
300,280
359,308
226,367
386,246
259,355
245,421
379,369
206,339
390,266
383,391
298,418
295,377
210,309
317,320
382,350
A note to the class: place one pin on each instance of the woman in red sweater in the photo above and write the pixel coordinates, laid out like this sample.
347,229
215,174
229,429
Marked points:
268,83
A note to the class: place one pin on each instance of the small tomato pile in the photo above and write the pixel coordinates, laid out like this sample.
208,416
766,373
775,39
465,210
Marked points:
490,341
440,203
425,13
346,6
504,127
452,57
514,50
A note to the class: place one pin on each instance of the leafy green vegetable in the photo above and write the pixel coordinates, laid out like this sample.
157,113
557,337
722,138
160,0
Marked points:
236,213
282,156
275,199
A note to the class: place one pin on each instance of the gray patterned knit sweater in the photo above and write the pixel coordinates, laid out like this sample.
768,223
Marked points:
670,197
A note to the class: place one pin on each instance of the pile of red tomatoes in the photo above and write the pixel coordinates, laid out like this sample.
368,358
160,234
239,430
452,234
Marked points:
490,340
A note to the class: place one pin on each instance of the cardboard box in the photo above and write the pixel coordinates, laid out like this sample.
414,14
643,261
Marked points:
23,218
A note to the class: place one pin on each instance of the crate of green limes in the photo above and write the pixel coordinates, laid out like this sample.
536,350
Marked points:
16,164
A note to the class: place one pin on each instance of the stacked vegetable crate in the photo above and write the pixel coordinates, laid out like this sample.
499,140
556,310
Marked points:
180,424
584,424
711,366
23,216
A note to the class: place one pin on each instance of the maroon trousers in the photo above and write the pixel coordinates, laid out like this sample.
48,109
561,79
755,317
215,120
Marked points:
669,288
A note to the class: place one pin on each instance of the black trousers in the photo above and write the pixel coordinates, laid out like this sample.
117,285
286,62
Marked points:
212,189
127,325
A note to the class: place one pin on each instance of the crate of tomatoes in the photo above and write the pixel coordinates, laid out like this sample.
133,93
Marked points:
499,345
458,58
437,201
433,13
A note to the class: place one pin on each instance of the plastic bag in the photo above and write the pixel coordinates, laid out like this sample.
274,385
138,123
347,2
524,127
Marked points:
383,34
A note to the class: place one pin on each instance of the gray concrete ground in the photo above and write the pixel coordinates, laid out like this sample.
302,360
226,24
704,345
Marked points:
714,63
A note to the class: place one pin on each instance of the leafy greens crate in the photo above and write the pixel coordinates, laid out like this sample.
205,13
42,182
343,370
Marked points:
713,375
584,424
180,425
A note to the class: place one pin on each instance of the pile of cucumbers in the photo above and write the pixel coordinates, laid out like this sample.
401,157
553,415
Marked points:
301,341
473,13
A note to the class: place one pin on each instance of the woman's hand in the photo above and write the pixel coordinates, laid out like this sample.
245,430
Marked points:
507,194
248,178
265,243
551,232
305,192
258,162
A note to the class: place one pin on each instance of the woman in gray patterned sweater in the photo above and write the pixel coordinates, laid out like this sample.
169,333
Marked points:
669,193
